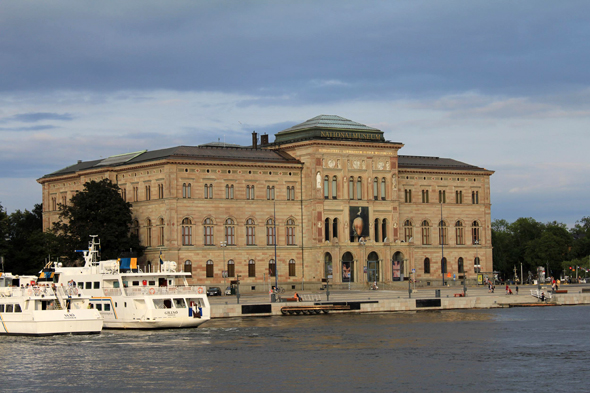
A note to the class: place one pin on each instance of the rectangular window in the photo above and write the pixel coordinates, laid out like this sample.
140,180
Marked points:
160,191
425,198
209,269
99,306
351,189
270,236
97,285
291,268
442,196
251,269
475,197
88,285
460,236
208,235
425,235
408,196
148,192
458,197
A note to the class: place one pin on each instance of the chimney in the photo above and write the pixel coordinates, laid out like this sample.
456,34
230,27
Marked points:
263,140
254,140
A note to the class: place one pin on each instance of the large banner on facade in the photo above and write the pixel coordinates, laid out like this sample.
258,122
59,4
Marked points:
359,222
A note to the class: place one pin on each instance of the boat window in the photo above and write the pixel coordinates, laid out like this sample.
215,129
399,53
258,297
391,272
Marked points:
167,303
89,285
116,304
125,304
9,307
135,283
179,303
170,282
81,285
107,307
99,307
17,308
97,285
152,283
1,307
115,284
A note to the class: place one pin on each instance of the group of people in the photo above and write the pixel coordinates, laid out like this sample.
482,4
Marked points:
509,291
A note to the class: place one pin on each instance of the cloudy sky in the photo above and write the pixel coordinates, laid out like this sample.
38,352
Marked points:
500,84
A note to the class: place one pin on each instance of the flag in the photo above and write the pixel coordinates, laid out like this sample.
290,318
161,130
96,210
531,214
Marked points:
161,260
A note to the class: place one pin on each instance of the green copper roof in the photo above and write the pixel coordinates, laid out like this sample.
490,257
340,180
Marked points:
329,127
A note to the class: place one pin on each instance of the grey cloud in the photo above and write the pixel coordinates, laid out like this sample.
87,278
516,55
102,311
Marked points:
32,128
40,116
370,48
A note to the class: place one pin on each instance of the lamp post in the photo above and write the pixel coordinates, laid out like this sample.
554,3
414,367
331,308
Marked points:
465,285
223,244
476,243
442,246
274,218
362,243
409,281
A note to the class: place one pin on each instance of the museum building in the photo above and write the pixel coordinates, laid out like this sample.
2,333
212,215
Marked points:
328,198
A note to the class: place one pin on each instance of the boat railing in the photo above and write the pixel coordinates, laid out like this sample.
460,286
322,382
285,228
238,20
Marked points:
112,291
167,290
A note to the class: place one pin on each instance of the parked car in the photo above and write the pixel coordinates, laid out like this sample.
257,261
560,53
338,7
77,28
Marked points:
214,291
228,291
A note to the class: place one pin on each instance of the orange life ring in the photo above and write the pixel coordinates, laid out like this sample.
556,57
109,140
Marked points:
200,290
152,291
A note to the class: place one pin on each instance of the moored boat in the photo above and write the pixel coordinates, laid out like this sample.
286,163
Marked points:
27,308
128,298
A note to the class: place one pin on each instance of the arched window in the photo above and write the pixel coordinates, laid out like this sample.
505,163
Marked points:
442,233
426,265
459,233
291,268
161,231
442,196
184,190
351,188
384,229
359,188
334,187
408,231
209,268
270,232
250,232
231,268
327,229
270,193
475,233
148,240
327,265
248,192
230,232
376,227
251,268
326,187
135,228
425,232
290,232
272,268
335,229
292,193
229,191
375,189
459,197
208,231
443,266
187,232
383,192
461,267
476,265
188,267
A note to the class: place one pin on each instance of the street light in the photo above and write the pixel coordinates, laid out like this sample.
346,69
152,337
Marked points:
362,242
223,244
409,280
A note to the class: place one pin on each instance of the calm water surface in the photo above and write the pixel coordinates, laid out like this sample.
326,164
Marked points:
519,349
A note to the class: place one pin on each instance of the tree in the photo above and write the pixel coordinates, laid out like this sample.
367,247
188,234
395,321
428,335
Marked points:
99,210
28,246
3,232
581,237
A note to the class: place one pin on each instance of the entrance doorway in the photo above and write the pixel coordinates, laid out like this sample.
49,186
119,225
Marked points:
347,267
397,266
373,267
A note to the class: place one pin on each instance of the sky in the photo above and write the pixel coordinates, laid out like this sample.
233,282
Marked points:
499,84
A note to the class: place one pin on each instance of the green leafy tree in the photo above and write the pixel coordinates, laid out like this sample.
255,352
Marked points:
3,231
99,210
28,246
581,237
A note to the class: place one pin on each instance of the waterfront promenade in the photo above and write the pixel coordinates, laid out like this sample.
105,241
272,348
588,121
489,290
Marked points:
397,300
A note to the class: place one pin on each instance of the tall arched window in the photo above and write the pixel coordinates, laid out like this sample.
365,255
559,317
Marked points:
272,268
426,265
326,187
188,267
442,233
459,233
208,231
209,268
376,228
270,232
384,229
335,229
230,232
291,268
327,229
135,228
475,233
334,187
443,267
408,230
148,240
161,231
351,188
250,232
375,189
290,232
187,232
425,232
359,188
461,267
229,191
208,191
251,268
231,268
383,189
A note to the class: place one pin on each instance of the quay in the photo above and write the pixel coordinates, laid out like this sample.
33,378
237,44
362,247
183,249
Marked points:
393,300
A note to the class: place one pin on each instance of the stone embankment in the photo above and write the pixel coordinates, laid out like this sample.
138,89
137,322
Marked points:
394,301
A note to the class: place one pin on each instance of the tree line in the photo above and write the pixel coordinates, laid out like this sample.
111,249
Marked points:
98,209
532,243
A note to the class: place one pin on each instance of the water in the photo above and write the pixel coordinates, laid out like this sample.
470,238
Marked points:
519,349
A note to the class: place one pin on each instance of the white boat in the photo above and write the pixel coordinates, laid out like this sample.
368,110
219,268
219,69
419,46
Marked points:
128,298
29,309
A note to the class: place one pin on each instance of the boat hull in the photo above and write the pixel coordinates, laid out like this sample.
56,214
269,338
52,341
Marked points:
50,323
170,323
